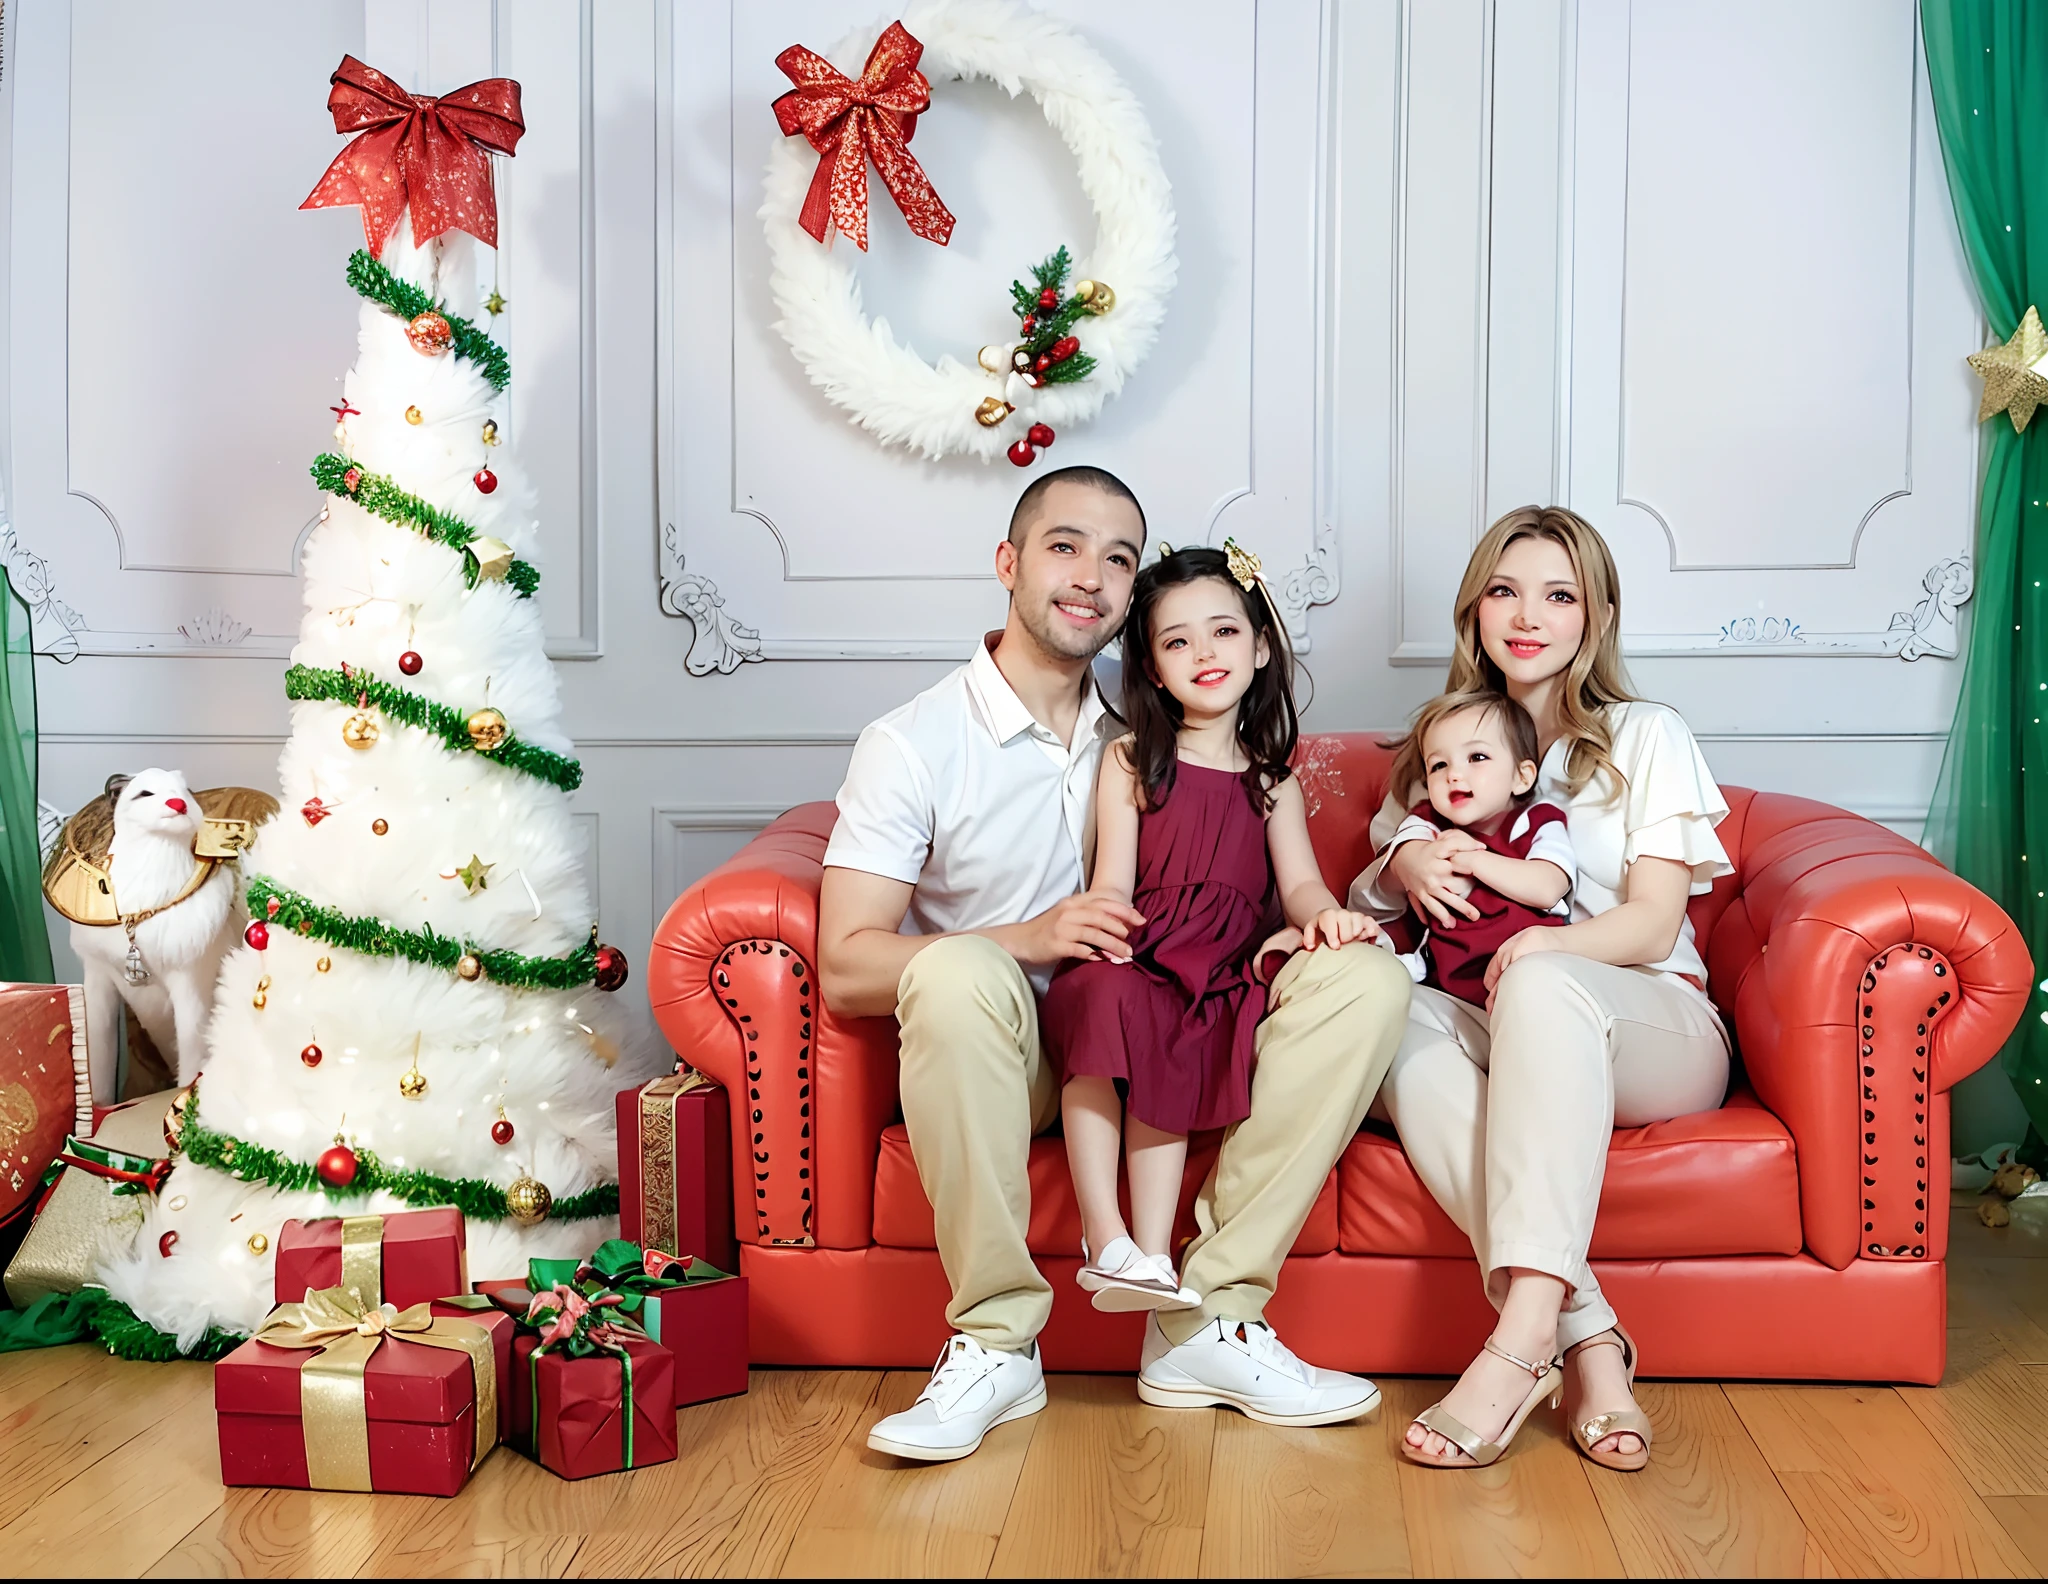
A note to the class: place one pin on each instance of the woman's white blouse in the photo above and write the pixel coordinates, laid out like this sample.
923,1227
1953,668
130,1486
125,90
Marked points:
1668,809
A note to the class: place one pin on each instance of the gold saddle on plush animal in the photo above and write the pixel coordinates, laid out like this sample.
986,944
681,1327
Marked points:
78,879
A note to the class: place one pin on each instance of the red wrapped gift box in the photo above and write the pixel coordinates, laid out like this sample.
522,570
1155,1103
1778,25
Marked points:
420,1403
569,1409
704,1324
45,1094
418,1256
675,1168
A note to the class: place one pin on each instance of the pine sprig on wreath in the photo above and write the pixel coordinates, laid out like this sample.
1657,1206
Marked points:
476,1199
1051,325
380,497
448,724
372,280
375,938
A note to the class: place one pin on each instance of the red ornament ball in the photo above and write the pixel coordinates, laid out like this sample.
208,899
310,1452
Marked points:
1039,434
1065,348
257,935
337,1166
410,662
501,1132
430,334
166,1243
1023,453
311,1055
486,480
351,479
1043,363
1030,323
611,968
1049,298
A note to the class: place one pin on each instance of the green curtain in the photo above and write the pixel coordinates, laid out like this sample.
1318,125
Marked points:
24,942
1987,61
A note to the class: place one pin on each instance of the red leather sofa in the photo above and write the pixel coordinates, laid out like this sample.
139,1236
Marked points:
1797,1232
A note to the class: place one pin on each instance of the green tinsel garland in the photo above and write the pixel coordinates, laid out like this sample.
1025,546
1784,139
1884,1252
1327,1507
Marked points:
58,1318
374,938
380,497
479,1201
406,300
448,724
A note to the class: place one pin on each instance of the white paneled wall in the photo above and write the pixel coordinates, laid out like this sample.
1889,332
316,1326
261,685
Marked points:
1691,269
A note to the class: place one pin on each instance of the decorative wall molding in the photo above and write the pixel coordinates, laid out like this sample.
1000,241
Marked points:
1761,632
53,625
722,644
691,839
49,826
214,630
1930,627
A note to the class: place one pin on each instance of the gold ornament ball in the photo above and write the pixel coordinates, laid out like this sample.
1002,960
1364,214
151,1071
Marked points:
323,965
528,1201
468,967
175,1203
1096,296
996,359
992,411
412,1083
379,827
430,334
487,730
412,415
490,431
359,731
259,1245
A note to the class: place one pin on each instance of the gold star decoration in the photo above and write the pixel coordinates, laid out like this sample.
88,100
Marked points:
474,875
494,303
2014,383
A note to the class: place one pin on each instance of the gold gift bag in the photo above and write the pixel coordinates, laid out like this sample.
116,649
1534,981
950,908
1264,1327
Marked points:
85,1221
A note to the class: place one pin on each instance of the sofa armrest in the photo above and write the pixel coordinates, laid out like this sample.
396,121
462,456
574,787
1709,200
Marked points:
732,977
1864,980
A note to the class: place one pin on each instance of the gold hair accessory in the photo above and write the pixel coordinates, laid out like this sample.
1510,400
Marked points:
1244,566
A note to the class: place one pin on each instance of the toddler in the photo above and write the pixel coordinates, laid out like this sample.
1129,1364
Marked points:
1479,763
1201,828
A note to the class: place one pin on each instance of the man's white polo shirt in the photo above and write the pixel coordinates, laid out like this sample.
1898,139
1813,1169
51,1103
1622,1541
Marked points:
963,795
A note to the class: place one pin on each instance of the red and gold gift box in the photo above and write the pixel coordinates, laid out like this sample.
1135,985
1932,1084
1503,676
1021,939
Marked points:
45,1091
675,1167
333,1394
407,1257
573,1414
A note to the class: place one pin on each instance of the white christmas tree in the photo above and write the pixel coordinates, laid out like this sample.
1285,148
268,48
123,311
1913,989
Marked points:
419,1015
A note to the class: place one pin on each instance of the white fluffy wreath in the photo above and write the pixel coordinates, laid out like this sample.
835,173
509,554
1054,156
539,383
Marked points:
891,391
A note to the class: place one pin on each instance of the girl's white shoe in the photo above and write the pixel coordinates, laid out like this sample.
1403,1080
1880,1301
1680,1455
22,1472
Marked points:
1123,1277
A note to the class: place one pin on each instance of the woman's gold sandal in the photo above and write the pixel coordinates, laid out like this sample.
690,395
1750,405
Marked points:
1549,1383
1624,1421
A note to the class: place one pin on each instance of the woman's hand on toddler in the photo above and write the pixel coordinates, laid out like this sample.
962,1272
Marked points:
1338,927
1436,889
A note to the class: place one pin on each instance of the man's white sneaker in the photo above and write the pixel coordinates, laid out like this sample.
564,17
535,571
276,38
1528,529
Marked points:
1123,1278
973,1389
1241,1364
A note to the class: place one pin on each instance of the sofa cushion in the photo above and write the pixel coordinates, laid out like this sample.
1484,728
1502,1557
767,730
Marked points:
903,1216
1720,1182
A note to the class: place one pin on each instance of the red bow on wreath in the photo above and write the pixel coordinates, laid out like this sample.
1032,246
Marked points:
417,150
849,123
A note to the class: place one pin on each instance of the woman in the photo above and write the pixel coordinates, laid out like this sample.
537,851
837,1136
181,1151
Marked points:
1507,1112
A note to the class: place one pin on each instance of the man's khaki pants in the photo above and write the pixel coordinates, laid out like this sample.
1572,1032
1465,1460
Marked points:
976,1086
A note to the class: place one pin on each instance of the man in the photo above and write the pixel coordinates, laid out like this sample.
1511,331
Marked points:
953,887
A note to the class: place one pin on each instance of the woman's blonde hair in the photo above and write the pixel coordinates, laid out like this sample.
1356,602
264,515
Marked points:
1596,676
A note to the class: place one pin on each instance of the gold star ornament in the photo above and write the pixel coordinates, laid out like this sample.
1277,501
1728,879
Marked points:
495,304
2016,374
474,875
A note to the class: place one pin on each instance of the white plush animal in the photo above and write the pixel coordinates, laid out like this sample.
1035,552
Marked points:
157,821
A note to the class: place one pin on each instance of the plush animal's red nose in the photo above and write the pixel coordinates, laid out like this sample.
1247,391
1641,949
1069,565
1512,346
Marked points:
175,805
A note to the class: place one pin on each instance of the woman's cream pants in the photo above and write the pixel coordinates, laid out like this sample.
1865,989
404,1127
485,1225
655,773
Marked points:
1507,1119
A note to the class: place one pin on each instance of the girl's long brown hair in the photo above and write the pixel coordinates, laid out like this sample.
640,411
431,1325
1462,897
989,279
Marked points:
1268,725
1596,676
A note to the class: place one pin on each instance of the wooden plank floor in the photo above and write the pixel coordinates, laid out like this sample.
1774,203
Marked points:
110,1468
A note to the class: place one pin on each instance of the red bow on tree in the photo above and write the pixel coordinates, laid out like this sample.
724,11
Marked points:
849,123
421,151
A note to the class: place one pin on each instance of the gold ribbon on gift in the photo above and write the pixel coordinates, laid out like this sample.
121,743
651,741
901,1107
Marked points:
658,1210
347,1332
362,1257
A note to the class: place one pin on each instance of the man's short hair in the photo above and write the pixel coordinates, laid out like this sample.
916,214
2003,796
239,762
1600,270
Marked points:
1093,477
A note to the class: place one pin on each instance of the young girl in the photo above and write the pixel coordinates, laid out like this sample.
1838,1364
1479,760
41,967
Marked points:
1200,827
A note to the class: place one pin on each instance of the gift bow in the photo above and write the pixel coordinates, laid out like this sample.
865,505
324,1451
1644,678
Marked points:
417,149
129,1174
346,1332
572,1324
850,122
625,1275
